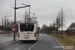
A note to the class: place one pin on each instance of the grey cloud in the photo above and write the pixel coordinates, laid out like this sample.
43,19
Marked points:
46,10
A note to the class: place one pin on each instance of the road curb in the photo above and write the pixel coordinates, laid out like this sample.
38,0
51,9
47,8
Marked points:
9,43
59,43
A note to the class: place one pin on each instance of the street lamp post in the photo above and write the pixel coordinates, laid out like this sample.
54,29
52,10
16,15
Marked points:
5,23
14,18
2,23
34,15
29,13
15,14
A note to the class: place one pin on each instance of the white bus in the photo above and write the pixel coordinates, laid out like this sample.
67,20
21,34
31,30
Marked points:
28,31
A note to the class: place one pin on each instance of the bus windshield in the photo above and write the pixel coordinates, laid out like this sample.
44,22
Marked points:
26,27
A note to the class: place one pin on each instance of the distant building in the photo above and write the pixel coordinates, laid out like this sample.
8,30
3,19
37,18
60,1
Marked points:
71,30
71,27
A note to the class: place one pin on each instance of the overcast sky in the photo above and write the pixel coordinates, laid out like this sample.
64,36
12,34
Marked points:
46,10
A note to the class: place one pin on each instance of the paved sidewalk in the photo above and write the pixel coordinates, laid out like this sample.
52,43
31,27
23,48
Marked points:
7,43
7,39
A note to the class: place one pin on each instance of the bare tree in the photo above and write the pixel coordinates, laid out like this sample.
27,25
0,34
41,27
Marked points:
25,17
58,23
62,20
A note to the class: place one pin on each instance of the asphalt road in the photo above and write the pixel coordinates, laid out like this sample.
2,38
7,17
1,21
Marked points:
45,42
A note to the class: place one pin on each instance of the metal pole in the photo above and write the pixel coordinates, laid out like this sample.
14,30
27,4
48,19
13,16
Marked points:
25,16
29,13
5,24
25,19
34,17
2,24
15,18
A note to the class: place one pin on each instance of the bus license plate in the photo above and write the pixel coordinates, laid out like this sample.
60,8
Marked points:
27,38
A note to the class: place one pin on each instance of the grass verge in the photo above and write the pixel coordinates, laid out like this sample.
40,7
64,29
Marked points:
67,42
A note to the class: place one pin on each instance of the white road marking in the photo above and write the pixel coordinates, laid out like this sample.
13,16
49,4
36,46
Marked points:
35,44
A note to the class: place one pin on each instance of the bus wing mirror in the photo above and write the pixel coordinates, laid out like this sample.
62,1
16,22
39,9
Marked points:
38,28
